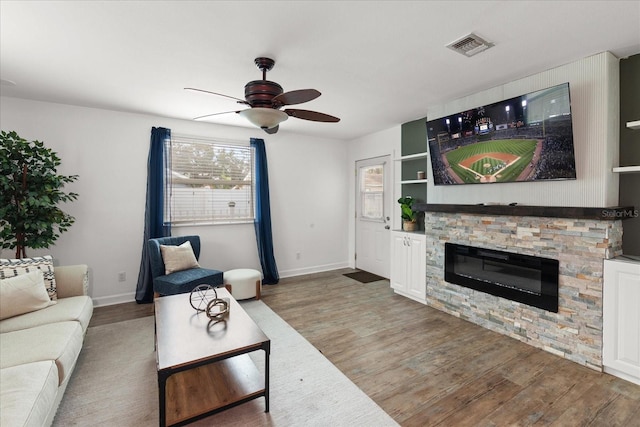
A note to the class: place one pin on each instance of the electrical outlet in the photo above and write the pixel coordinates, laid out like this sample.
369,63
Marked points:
122,276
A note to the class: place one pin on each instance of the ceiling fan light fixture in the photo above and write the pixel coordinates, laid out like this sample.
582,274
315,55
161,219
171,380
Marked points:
264,118
266,98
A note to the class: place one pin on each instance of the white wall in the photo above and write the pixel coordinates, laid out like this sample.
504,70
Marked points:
312,180
594,91
386,142
108,150
594,88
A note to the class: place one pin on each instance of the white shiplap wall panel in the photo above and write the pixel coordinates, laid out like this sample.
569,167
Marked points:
594,83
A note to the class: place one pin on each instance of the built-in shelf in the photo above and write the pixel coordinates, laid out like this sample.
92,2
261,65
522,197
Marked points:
414,181
627,169
634,124
413,157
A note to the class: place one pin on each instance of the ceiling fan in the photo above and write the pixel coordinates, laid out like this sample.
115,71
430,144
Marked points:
266,99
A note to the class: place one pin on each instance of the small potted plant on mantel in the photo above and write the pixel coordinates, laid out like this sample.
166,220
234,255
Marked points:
409,216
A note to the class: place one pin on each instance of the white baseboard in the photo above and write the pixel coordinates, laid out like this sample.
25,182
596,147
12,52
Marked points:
311,270
404,294
131,296
620,374
114,299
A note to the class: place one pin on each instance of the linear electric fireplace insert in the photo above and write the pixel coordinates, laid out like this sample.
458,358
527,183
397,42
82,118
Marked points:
523,278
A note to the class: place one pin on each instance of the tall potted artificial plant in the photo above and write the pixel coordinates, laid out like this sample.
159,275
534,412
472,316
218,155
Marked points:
30,190
409,216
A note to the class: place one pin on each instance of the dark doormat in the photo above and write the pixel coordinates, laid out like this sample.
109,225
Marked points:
364,276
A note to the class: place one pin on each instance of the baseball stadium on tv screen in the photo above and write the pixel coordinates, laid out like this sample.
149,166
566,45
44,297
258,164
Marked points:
526,138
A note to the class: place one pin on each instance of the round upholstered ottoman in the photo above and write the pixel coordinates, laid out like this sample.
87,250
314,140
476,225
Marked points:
243,283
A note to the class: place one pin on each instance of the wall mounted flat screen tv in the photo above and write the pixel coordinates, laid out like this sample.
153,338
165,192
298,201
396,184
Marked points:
526,138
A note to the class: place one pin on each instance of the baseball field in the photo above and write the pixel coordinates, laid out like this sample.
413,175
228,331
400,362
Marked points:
493,161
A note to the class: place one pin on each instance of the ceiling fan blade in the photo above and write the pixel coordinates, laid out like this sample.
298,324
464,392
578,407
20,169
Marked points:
272,130
240,101
314,116
214,114
296,97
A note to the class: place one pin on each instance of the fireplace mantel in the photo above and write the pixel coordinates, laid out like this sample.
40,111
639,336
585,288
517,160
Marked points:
604,214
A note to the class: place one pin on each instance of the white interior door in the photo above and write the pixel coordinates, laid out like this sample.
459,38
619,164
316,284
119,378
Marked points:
373,194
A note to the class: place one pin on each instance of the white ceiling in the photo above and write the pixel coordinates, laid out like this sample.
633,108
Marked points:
378,64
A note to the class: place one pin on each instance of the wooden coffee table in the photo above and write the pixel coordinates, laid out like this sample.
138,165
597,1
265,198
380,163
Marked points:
204,367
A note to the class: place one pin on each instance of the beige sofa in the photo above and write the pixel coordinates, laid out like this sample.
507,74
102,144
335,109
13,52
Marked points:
39,350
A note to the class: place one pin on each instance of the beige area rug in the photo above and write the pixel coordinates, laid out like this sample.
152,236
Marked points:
115,382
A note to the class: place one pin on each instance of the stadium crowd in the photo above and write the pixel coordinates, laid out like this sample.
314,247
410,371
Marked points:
556,157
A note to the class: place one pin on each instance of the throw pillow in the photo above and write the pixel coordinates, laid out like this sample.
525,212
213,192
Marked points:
23,294
16,267
178,258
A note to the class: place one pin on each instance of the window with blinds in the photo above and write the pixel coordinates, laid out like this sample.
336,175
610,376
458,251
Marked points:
208,182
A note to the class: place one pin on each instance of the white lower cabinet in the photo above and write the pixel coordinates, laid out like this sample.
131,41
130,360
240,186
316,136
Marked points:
409,265
621,319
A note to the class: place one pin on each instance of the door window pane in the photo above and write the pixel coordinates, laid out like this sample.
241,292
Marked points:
372,192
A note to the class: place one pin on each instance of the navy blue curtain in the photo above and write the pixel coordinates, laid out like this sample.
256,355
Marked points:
154,225
262,221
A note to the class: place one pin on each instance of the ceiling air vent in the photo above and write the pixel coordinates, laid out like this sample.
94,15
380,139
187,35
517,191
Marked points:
470,45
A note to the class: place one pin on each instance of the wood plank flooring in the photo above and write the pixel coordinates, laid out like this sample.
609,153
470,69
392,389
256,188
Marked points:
119,313
428,368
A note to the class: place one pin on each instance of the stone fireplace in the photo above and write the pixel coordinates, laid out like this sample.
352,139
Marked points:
579,243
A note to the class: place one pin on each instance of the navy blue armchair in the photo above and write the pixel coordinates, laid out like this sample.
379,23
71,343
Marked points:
180,281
